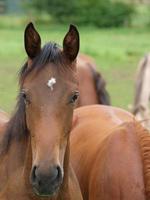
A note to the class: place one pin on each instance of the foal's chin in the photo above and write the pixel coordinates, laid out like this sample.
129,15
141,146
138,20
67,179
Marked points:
51,193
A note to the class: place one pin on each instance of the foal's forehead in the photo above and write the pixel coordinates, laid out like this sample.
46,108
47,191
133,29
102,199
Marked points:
51,75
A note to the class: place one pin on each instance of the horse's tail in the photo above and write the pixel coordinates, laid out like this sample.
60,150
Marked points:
139,83
144,141
100,86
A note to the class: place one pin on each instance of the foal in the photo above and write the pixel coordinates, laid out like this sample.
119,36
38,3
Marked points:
35,145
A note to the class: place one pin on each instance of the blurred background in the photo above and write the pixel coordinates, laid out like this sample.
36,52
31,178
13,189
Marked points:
115,33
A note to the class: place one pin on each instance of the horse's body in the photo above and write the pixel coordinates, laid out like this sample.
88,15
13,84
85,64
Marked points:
34,146
92,86
141,107
110,154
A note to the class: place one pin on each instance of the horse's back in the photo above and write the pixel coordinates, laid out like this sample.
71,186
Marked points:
105,144
98,117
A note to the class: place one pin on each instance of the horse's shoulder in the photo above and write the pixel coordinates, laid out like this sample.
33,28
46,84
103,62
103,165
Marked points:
92,125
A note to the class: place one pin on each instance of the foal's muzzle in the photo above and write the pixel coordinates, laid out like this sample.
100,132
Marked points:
46,183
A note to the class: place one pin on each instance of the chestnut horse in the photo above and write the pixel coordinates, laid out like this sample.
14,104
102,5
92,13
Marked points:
92,86
34,146
110,153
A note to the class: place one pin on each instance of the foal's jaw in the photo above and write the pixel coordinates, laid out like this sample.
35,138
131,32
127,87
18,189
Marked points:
53,194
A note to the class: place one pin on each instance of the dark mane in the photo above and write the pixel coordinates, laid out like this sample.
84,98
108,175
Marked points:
16,127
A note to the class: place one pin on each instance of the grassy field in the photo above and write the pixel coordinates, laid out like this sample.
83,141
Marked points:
116,52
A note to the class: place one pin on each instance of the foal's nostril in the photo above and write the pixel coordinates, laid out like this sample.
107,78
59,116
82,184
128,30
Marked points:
55,174
33,174
59,173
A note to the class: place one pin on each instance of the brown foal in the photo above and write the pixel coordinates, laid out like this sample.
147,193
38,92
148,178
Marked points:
35,142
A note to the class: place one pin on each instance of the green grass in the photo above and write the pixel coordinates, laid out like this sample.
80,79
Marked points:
116,52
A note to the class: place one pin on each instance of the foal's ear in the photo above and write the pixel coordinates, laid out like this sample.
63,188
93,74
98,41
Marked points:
71,43
32,41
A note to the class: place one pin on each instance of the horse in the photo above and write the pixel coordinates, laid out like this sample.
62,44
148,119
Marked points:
142,92
110,153
34,142
92,86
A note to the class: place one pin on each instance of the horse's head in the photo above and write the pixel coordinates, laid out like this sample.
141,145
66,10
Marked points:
49,89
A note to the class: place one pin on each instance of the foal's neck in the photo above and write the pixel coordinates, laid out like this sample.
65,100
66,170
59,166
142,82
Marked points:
12,159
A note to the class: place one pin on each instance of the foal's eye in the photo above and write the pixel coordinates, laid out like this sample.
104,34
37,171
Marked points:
74,97
25,98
